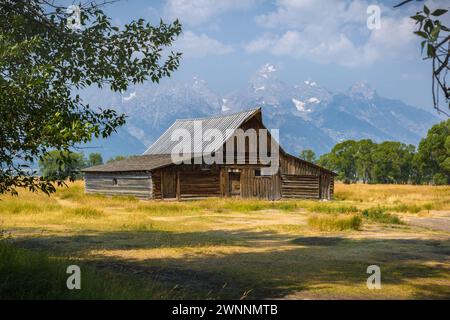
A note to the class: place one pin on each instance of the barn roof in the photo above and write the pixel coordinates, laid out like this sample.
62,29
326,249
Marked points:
226,124
135,163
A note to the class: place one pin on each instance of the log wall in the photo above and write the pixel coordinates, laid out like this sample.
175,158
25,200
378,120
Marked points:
300,186
137,184
301,179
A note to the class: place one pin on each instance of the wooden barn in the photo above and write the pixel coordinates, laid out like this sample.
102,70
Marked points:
154,175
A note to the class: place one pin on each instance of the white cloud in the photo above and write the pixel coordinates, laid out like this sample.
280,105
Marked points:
197,46
334,32
130,97
196,12
300,13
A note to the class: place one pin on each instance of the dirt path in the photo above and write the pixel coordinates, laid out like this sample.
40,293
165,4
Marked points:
435,220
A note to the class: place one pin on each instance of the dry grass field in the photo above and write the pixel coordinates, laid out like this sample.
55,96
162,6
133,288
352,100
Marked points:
226,248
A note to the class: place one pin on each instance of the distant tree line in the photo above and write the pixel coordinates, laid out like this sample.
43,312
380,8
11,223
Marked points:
67,165
391,161
62,165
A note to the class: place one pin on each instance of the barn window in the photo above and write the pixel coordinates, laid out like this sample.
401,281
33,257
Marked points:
114,182
257,172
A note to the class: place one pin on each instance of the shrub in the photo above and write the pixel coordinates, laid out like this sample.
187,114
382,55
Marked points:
335,222
379,214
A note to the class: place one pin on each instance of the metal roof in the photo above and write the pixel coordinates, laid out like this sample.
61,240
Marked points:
135,163
195,127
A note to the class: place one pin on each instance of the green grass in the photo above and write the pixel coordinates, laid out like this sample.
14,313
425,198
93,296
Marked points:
17,207
85,212
214,205
139,227
30,275
332,208
335,222
379,214
411,208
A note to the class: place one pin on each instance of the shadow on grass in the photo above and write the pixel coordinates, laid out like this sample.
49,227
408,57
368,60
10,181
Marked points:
282,267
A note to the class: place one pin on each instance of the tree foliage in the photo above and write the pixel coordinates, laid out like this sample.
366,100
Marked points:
436,47
308,155
393,162
94,159
433,155
116,158
44,62
59,165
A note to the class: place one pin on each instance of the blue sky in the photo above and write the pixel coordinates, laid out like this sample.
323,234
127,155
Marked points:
224,42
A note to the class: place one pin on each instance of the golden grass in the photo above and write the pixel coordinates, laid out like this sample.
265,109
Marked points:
335,222
85,212
438,196
294,249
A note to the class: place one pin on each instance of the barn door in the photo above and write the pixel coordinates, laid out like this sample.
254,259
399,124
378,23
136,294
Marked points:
234,183
169,184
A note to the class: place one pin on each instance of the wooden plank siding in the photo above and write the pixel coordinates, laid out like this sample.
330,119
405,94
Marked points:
259,187
137,184
300,186
300,179
156,184
192,181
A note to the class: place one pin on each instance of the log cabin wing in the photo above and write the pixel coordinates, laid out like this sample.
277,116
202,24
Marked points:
154,175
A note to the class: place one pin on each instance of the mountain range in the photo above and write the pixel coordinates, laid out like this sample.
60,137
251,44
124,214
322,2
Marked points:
308,115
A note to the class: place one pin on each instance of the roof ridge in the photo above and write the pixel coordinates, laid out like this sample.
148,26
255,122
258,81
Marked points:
221,116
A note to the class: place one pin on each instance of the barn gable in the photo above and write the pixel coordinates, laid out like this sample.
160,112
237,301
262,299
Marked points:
225,124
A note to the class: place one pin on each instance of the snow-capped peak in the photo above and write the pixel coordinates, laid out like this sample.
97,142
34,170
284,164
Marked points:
266,70
313,100
362,89
310,83
300,105
196,81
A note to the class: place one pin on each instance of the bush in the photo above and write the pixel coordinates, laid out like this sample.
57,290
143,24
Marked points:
379,214
335,222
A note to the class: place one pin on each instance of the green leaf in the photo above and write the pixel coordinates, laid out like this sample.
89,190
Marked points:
418,17
438,12
431,51
421,34
426,10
